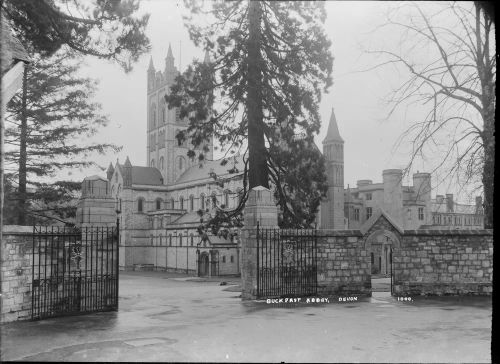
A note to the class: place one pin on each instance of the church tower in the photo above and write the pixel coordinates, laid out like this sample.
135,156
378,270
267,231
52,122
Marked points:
332,208
164,151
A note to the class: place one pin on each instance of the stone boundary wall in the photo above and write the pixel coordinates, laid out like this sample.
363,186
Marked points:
343,264
444,262
16,269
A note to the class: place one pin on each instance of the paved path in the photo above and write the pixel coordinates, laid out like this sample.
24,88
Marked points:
166,319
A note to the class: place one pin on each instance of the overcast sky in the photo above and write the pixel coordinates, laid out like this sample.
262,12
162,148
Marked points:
356,96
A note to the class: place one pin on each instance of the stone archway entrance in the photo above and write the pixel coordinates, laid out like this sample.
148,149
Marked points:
203,264
380,245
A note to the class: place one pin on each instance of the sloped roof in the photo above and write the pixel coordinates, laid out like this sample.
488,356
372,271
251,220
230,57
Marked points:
144,175
202,171
333,133
12,49
373,219
190,217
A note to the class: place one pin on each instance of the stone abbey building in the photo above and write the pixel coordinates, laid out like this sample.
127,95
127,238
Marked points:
158,203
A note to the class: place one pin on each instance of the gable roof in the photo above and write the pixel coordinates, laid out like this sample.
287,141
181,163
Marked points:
373,219
202,170
144,175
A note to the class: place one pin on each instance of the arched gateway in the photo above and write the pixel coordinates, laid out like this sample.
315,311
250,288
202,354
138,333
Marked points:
382,243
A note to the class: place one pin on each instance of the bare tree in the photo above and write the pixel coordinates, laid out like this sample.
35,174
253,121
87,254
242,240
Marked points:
448,53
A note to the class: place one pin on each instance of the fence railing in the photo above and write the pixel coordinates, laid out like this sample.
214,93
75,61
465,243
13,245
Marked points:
286,263
74,270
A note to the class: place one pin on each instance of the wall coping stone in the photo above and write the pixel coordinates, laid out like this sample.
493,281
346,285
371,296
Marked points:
476,232
17,230
330,232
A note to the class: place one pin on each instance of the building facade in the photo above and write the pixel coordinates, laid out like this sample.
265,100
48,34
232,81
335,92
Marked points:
159,205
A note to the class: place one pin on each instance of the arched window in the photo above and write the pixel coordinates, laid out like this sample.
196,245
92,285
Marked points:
162,166
226,199
170,239
232,259
202,201
223,259
158,203
181,203
192,239
140,204
179,142
152,163
180,163
163,113
191,203
180,240
172,203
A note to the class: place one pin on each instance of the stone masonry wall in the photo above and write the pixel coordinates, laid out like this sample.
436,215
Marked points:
16,267
343,263
444,262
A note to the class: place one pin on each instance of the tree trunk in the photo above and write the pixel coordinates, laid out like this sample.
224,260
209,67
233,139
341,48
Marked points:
21,217
258,169
488,100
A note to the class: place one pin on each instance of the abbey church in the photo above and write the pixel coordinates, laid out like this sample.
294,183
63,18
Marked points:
157,204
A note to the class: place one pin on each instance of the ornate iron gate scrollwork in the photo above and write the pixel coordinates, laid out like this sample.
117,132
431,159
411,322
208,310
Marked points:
286,263
74,271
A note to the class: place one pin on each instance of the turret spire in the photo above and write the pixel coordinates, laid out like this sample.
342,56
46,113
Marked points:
169,52
169,61
110,171
151,66
333,130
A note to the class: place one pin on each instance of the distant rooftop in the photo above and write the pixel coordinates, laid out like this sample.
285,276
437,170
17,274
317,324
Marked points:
145,175
202,170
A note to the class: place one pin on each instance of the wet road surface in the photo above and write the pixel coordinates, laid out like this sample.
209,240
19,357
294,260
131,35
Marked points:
163,317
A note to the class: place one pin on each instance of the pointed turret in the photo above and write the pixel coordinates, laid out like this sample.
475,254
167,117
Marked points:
110,171
333,130
169,61
332,208
151,66
127,173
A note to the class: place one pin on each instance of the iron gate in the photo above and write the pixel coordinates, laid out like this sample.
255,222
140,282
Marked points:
74,271
286,263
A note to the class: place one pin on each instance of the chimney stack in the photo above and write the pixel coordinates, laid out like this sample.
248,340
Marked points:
449,202
479,205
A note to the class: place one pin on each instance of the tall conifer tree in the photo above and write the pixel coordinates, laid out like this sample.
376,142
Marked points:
259,95
46,126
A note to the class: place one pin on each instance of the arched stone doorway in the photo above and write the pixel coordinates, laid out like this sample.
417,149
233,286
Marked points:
381,245
203,264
